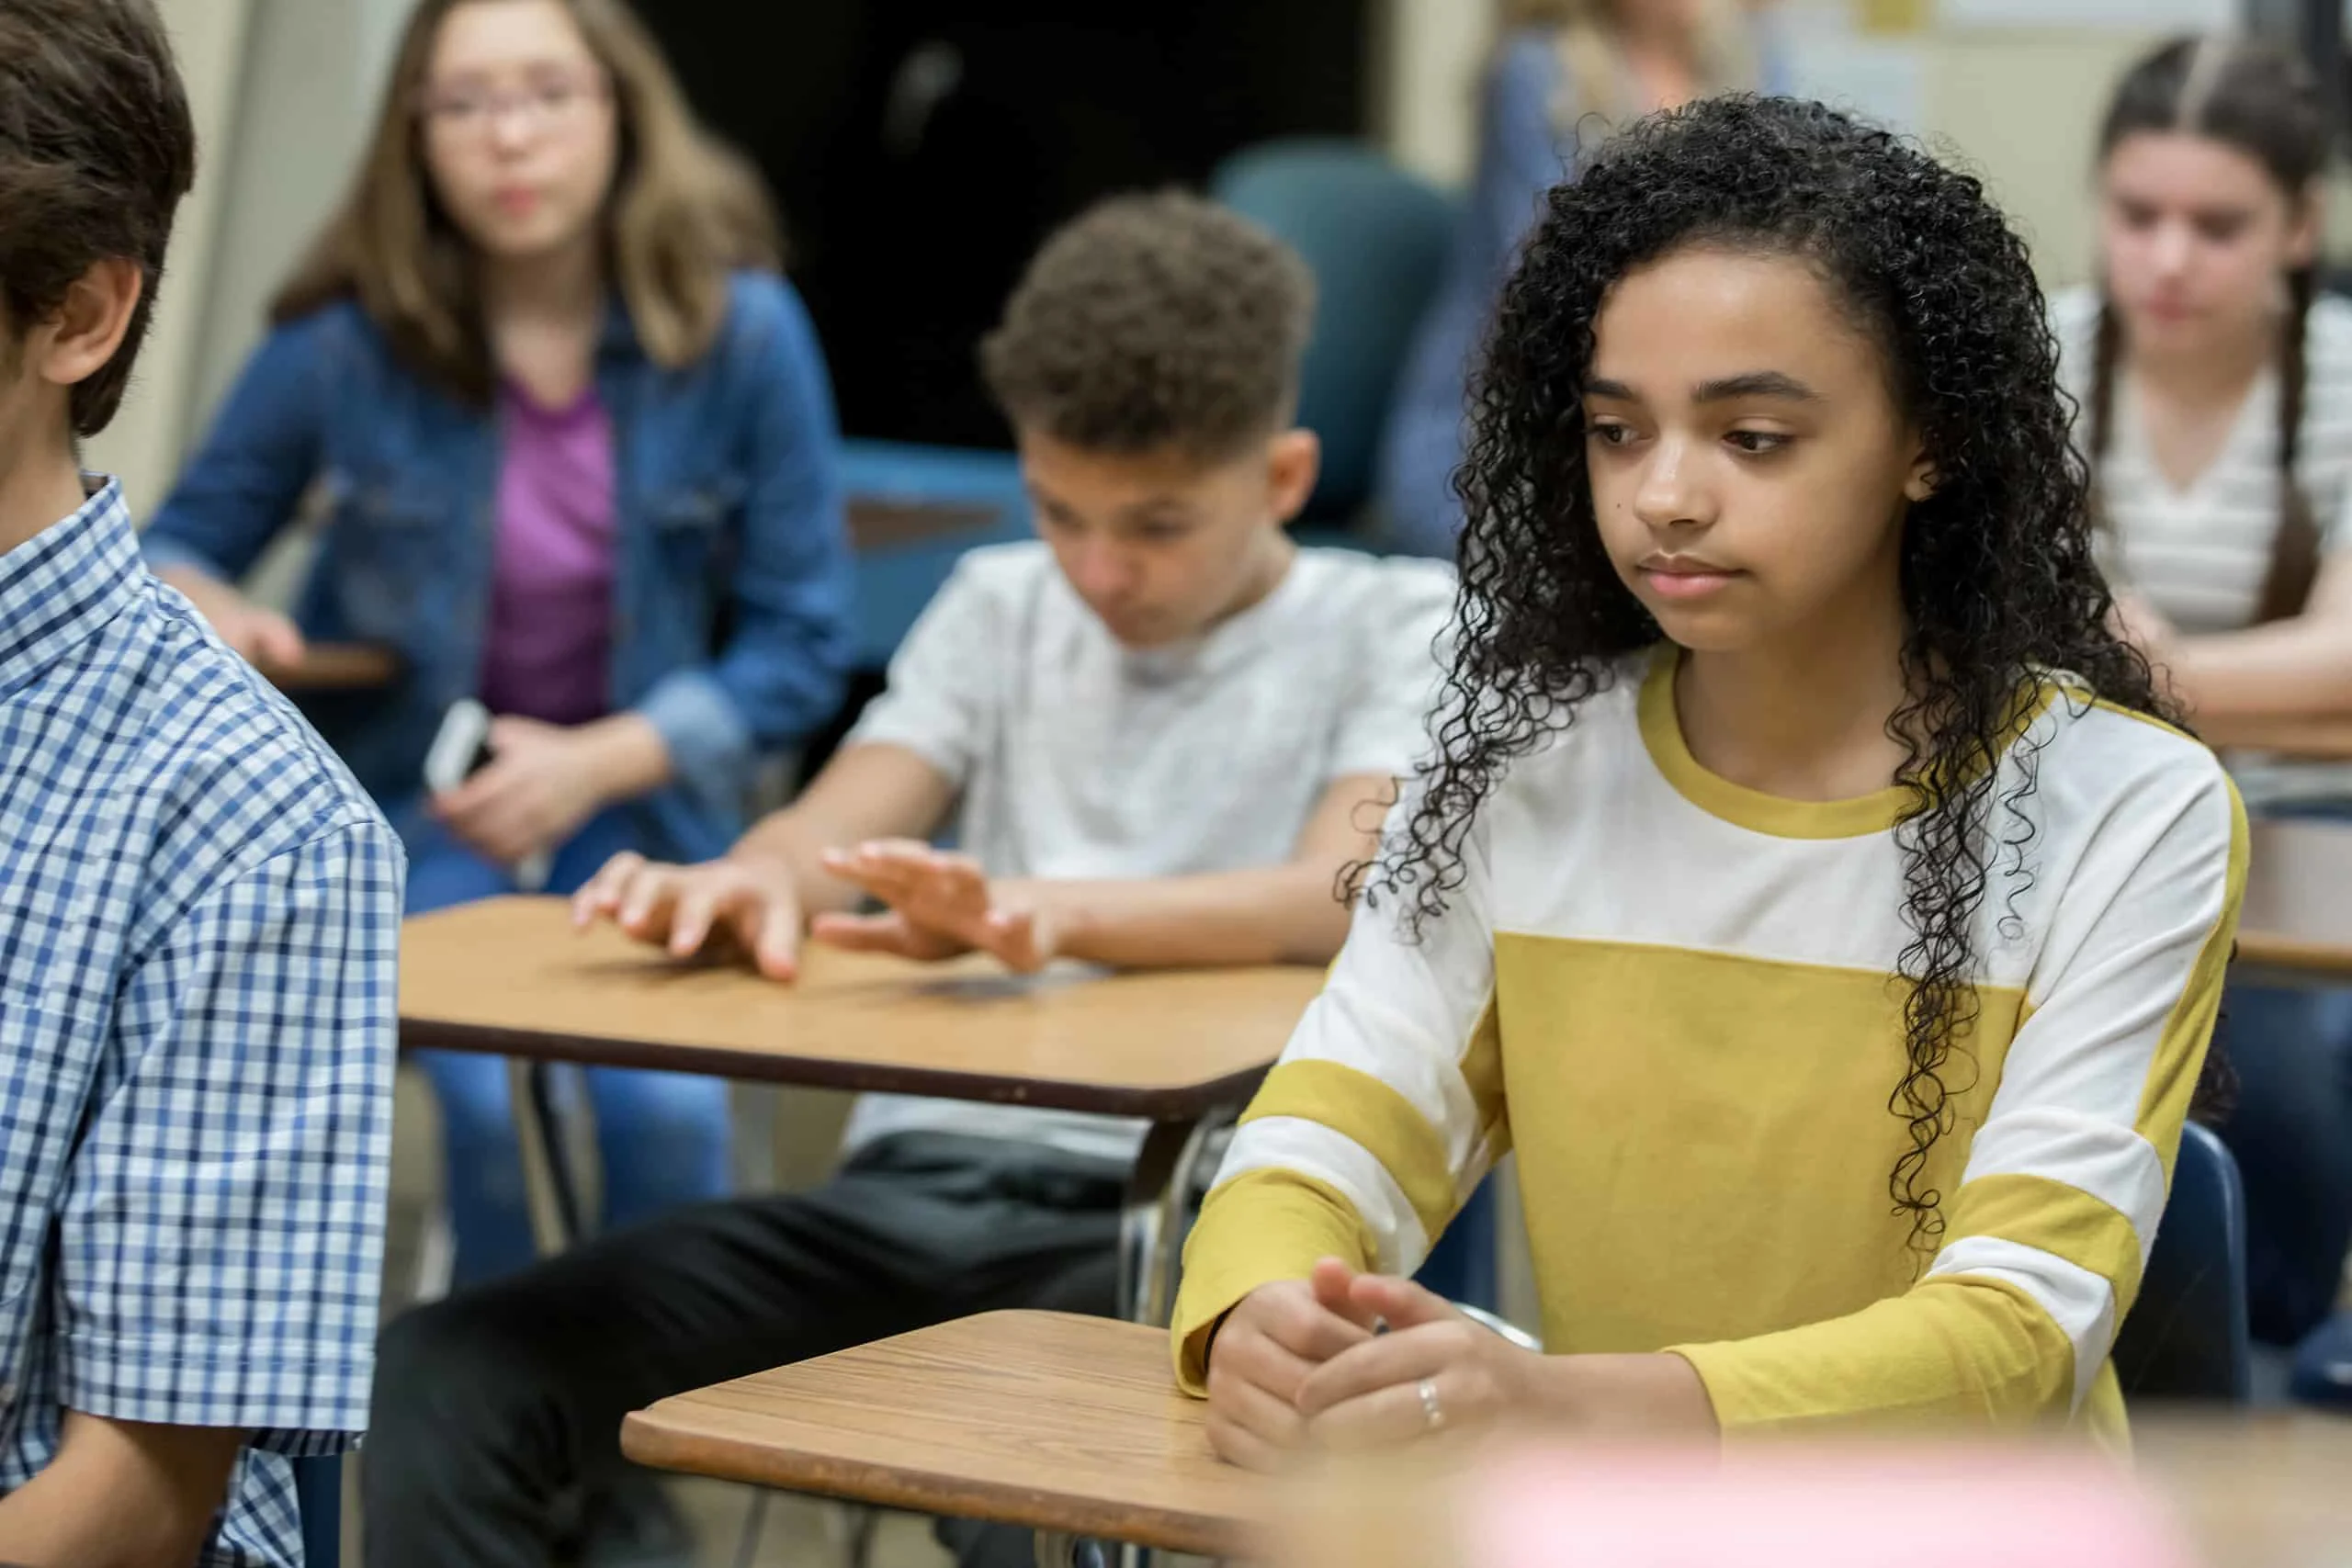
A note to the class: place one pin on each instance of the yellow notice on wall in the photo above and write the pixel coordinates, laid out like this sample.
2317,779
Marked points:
1885,18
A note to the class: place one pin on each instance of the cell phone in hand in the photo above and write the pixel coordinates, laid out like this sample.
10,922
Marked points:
459,750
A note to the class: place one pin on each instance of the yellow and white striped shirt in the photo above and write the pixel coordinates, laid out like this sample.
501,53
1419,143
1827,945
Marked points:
1676,1000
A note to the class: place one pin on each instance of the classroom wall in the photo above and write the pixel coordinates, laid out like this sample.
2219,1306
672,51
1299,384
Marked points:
2019,102
283,89
143,445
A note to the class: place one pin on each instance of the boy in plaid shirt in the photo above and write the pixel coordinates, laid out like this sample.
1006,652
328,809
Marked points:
199,918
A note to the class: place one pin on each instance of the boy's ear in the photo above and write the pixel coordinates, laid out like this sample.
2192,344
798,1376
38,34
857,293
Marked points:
79,338
1293,464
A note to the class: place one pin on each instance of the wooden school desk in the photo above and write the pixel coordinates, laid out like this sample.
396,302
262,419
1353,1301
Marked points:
335,667
1183,1049
2292,738
2297,925
1071,1426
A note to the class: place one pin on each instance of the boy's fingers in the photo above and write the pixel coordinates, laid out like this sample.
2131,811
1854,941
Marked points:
865,934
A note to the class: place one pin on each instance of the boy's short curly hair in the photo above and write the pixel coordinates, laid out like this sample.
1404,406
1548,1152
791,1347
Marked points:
1150,322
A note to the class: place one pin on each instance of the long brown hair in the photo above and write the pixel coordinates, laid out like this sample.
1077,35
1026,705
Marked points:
683,210
2259,99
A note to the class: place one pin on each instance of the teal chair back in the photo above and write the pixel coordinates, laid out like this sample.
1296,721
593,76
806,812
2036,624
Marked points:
1375,237
2187,1337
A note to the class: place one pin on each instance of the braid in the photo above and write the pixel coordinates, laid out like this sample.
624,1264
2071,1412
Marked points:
2107,351
2295,548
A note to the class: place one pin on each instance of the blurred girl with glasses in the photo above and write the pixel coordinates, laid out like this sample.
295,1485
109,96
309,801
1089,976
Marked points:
571,446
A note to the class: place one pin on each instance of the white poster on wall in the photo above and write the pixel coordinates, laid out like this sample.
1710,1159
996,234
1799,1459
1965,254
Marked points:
2138,15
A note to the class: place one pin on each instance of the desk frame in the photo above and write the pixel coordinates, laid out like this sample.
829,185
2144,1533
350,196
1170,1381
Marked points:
1169,1168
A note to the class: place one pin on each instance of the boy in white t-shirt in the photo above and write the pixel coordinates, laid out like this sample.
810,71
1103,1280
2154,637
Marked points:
1160,733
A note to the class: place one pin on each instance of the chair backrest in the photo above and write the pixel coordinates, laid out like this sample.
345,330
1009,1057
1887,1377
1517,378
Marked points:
2187,1337
1464,1264
318,1493
1376,239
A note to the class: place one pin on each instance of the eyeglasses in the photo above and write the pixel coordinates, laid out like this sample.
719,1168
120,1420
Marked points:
476,111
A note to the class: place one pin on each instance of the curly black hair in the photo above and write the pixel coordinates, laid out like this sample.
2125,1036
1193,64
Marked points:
1997,579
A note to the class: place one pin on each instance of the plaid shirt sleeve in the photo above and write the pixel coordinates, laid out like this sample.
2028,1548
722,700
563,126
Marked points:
220,1242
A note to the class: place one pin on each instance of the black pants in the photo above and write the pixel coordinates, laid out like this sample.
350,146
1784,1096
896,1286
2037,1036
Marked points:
497,1408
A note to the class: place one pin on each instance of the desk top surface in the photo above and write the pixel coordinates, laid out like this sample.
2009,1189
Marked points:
2297,913
1029,1419
1074,1424
336,667
2286,737
509,975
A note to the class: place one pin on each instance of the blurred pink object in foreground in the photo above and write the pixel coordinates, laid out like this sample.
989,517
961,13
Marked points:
1837,1507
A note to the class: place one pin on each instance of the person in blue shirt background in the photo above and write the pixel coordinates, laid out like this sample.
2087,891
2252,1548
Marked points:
576,444
1564,72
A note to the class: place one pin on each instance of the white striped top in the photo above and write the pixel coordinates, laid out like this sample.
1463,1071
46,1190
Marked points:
1672,996
2200,554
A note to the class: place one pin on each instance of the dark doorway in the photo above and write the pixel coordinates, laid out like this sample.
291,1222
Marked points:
921,148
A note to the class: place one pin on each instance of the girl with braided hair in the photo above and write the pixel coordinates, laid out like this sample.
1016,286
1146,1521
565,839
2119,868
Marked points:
2215,384
1803,882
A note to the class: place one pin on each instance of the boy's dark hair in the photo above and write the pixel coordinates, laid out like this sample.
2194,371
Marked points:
1154,321
96,148
1998,584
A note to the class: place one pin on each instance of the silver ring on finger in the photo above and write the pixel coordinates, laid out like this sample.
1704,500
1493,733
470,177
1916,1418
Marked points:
1432,1412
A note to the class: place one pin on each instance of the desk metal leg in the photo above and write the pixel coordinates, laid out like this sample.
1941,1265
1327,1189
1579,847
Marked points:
547,1179
1141,1217
1151,1234
1151,1223
1057,1549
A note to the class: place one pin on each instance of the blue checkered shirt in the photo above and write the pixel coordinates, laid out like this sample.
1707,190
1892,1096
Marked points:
199,918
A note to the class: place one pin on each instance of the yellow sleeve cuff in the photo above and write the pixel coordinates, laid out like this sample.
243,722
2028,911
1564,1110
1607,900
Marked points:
1262,1226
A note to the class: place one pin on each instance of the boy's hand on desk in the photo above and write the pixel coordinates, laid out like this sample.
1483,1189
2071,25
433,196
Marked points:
1264,1354
753,899
941,905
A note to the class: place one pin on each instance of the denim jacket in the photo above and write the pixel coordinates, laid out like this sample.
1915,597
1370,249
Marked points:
731,580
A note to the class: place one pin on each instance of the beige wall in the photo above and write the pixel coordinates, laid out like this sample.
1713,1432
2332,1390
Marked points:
143,445
2023,105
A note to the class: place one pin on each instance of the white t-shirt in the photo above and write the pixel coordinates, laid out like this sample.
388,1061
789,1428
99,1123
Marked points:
2201,555
1079,757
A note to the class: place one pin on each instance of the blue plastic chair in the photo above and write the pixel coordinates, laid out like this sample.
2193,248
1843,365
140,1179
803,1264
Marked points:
1375,237
950,500
2186,1338
1462,1267
318,1495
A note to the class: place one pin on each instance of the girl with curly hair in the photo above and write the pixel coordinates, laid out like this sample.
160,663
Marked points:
1803,882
